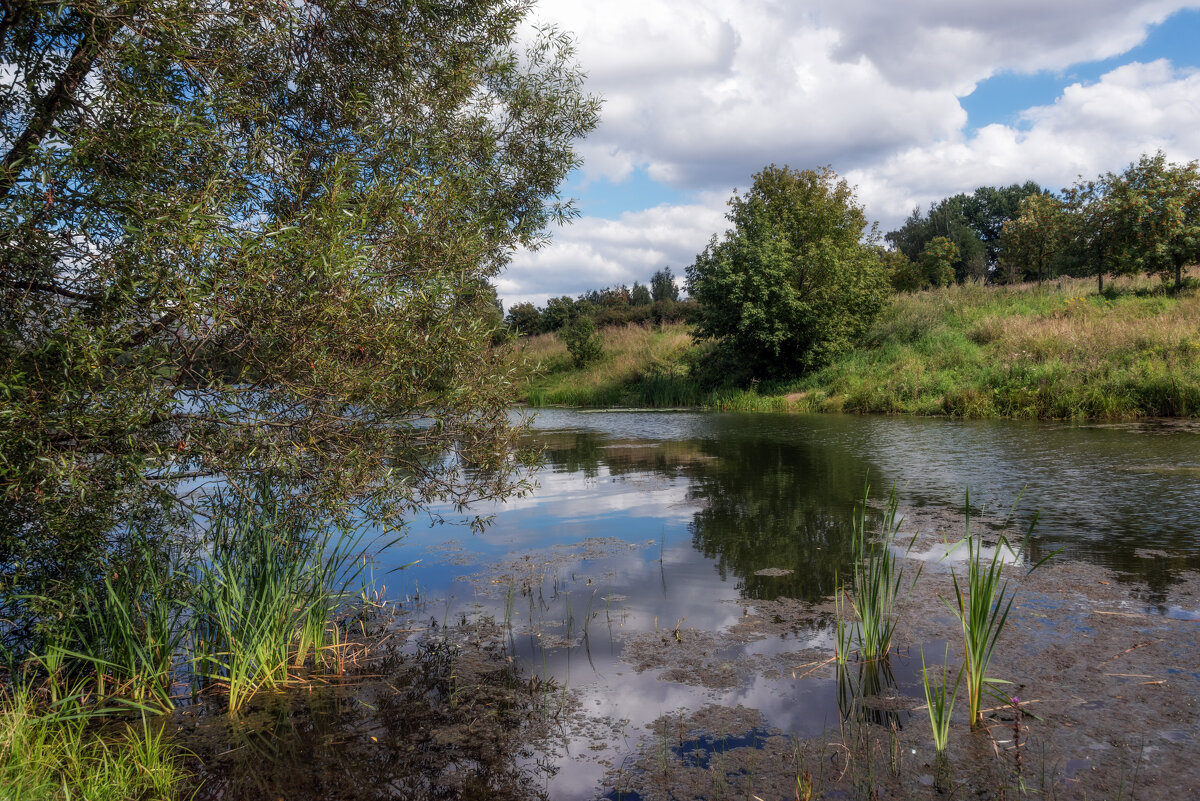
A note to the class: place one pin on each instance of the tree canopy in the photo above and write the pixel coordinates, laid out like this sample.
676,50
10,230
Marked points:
973,223
796,280
1156,206
245,237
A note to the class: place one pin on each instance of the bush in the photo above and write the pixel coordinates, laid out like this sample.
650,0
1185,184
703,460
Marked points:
583,342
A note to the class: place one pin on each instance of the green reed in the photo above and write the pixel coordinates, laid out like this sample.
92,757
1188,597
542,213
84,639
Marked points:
48,750
843,626
877,579
266,597
131,632
982,604
940,705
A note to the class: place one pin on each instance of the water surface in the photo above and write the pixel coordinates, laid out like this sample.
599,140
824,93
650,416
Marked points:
664,525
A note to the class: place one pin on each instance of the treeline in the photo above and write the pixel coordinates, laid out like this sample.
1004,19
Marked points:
656,302
1145,219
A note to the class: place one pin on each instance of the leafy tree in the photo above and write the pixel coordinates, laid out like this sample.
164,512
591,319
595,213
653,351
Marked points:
972,222
1090,239
524,319
249,236
1156,213
1031,245
904,274
583,342
989,207
558,313
639,295
662,286
938,260
796,281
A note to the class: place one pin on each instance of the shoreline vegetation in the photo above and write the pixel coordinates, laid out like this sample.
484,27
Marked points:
1055,350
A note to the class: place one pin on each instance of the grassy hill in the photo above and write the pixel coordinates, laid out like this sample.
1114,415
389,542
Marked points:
1055,350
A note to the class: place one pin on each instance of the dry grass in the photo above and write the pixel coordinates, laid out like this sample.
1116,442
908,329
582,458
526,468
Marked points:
1055,350
632,354
1052,350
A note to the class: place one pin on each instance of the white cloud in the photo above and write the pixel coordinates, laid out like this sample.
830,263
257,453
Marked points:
948,43
1090,129
594,252
701,99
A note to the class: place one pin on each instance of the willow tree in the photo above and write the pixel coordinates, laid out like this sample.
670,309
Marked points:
248,237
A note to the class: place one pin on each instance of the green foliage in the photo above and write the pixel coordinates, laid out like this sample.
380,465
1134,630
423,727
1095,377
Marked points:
253,236
49,752
1089,231
524,319
1031,245
938,260
972,222
1156,211
796,281
662,286
905,274
640,295
559,312
583,342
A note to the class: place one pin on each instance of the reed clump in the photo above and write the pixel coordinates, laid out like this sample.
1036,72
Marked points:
50,751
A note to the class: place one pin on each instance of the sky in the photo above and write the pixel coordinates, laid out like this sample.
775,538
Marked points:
911,101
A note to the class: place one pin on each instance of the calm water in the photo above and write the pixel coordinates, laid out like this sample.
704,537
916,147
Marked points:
648,522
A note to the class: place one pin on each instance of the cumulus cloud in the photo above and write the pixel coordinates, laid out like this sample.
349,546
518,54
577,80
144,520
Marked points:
696,97
1089,129
595,252
701,98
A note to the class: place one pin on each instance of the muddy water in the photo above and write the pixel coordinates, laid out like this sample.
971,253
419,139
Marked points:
631,574
660,608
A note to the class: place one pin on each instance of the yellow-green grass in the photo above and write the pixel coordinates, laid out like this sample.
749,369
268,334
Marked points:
55,751
1058,350
1055,350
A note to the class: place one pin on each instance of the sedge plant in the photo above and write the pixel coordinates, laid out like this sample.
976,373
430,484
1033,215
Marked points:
266,597
939,703
877,579
982,603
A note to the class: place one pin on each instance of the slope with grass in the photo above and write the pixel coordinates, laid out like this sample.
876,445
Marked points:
1056,350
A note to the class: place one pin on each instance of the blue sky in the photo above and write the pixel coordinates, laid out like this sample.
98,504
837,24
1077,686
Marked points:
911,102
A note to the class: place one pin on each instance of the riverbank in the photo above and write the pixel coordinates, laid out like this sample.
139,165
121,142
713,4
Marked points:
1057,350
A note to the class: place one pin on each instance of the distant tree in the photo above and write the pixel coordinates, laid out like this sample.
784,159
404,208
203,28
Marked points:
1156,213
989,207
1090,240
1031,245
662,286
558,313
614,297
583,341
938,260
524,319
640,295
972,222
797,279
904,274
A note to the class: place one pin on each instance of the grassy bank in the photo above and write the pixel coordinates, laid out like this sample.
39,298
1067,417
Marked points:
1057,350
